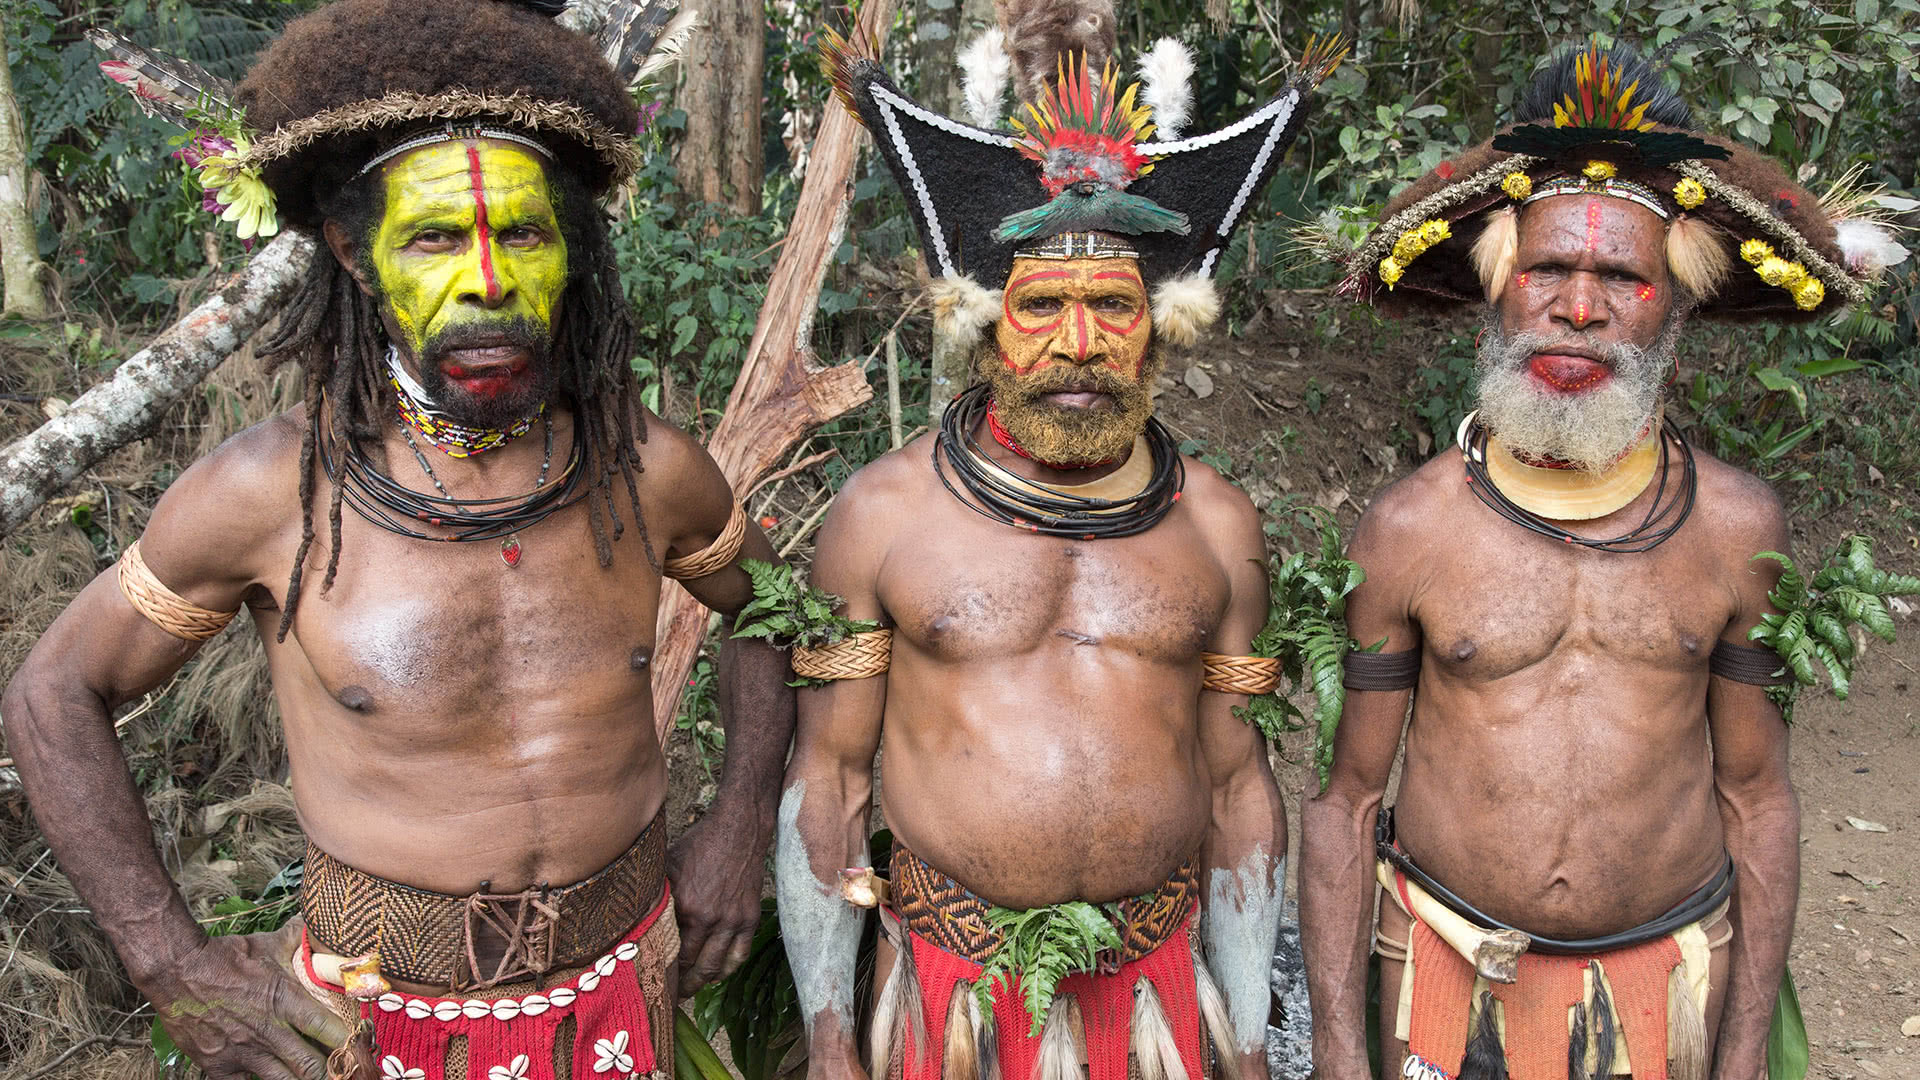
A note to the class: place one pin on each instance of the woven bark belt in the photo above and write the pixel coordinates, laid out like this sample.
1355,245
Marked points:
941,910
482,940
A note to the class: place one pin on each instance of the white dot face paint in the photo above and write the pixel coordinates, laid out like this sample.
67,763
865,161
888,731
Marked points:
821,930
1242,928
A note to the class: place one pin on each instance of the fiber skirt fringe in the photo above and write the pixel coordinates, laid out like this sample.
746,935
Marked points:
1151,1014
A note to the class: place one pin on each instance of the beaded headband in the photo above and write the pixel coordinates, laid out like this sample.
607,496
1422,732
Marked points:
1612,186
1079,245
450,133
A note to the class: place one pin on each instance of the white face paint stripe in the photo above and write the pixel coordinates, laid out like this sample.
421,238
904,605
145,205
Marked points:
1241,938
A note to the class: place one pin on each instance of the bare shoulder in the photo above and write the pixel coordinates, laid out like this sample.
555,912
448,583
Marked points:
887,487
1225,513
1407,509
1744,511
233,508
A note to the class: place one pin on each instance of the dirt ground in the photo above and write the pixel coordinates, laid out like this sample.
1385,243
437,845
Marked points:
1311,403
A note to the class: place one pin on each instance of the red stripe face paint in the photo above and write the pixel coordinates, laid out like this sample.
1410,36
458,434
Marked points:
483,234
1077,312
1594,211
1581,313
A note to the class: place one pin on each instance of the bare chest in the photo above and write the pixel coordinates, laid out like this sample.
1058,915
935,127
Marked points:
965,591
418,628
1485,617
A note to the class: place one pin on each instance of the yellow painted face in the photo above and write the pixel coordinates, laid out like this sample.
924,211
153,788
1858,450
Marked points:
470,239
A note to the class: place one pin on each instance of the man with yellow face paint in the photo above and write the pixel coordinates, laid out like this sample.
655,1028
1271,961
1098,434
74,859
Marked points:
1064,602
462,660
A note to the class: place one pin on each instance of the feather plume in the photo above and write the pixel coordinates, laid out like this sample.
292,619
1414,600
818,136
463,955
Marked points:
1154,1051
1686,1030
1213,1009
1040,32
1166,76
164,86
1696,258
985,70
1868,245
641,40
897,1017
960,1057
986,1038
1184,308
1061,1041
1493,252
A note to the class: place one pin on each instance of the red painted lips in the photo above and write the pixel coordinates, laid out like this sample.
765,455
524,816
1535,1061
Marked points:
1567,373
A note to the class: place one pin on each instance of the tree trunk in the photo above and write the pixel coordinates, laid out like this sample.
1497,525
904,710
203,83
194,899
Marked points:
780,394
20,266
34,467
720,159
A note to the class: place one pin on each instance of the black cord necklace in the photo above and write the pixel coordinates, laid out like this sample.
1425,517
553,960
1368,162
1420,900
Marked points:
393,506
1057,513
1654,529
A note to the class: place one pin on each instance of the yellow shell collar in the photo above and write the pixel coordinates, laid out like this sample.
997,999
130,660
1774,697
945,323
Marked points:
1570,494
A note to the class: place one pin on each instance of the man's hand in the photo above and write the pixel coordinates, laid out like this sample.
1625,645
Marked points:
232,1007
716,869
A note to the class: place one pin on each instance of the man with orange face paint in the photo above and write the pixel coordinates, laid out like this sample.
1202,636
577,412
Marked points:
1591,866
453,556
1057,591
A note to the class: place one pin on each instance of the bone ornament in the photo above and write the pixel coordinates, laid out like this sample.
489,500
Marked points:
1494,954
359,976
861,887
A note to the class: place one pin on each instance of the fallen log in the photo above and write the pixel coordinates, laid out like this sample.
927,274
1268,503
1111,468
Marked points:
782,393
131,401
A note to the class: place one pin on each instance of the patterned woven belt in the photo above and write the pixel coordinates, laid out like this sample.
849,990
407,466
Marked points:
941,911
482,940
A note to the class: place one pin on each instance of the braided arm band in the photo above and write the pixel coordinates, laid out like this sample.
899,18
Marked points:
162,606
858,657
1381,671
1747,664
716,556
1250,675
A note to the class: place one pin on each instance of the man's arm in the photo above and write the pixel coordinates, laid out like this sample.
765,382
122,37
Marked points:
224,1001
1760,817
1245,872
717,866
824,813
1336,826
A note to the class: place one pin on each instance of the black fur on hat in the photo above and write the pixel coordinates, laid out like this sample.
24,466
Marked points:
356,75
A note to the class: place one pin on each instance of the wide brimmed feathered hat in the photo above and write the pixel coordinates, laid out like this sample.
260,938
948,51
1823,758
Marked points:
1080,158
357,77
1743,238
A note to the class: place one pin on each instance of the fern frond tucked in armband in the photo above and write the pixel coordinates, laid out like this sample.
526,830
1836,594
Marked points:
1816,616
787,612
1307,632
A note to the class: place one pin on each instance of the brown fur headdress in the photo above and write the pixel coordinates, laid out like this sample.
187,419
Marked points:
1743,237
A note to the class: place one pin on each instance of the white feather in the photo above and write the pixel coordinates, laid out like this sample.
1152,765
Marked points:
986,69
1166,76
1868,246
667,51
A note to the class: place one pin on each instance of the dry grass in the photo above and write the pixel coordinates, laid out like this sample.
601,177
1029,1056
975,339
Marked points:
199,746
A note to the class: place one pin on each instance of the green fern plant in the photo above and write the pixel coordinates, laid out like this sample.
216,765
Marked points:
1042,946
786,611
1306,631
1816,615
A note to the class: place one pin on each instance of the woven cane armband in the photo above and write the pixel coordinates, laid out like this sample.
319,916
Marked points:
1746,664
858,657
716,556
162,606
1381,671
1250,675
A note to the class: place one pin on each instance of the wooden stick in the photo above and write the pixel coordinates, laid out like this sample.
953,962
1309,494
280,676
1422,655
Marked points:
781,394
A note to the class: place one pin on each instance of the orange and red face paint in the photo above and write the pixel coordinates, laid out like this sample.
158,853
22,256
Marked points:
1079,331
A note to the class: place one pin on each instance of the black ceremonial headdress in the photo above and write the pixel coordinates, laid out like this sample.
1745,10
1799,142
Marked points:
1076,162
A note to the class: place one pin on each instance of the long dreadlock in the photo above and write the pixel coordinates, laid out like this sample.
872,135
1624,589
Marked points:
333,330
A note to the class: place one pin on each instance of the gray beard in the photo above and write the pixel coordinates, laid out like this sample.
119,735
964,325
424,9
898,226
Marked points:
1589,430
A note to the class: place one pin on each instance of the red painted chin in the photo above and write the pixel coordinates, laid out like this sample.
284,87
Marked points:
1568,374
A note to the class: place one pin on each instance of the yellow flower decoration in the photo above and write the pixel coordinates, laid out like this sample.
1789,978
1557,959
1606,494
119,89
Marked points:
1599,170
1517,185
1390,271
1808,293
1434,231
1408,247
1756,251
1775,270
1688,193
249,205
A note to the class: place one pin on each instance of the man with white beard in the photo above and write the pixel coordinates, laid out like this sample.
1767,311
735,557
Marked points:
1591,868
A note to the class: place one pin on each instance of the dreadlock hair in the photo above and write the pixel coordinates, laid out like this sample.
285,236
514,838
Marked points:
333,330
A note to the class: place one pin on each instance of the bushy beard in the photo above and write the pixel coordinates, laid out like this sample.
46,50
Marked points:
1068,436
1589,430
533,389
